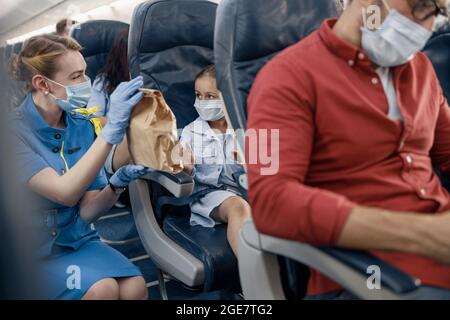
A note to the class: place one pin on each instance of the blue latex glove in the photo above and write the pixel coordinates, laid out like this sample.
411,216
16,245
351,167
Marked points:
122,101
127,174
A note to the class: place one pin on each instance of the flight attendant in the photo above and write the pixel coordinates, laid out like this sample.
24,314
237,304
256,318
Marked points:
60,159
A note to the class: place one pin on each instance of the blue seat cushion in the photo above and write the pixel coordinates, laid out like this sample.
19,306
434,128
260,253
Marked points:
210,246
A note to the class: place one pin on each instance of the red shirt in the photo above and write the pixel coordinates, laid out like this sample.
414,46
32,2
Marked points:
338,147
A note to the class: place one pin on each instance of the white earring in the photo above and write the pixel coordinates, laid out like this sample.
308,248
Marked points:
46,93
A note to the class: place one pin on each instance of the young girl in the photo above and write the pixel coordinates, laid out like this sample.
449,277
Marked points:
210,144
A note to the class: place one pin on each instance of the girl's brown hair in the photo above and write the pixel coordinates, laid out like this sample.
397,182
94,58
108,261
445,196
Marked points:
209,71
40,55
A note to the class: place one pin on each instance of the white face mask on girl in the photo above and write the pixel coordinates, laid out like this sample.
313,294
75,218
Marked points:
209,110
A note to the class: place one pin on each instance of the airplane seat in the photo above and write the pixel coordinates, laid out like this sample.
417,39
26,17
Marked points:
3,74
96,38
247,35
8,52
437,50
17,47
170,42
5,83
15,90
2,57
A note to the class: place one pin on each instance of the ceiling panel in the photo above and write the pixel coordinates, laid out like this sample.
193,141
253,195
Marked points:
17,12
24,16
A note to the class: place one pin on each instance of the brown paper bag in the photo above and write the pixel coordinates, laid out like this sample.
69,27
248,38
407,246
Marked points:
152,134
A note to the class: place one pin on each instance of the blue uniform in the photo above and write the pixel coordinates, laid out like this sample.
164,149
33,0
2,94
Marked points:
66,242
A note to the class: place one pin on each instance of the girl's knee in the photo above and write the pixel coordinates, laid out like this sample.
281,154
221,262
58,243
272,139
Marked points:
105,289
239,209
133,289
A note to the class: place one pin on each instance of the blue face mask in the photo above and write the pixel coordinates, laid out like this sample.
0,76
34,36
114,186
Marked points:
78,95
396,42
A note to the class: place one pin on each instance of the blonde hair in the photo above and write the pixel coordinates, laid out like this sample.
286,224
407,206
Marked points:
40,55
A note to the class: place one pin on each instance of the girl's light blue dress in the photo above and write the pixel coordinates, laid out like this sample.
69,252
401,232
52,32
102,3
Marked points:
214,169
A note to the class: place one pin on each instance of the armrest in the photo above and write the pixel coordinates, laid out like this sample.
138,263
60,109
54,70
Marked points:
180,184
346,267
391,278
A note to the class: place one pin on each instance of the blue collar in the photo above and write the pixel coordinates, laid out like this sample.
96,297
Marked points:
35,119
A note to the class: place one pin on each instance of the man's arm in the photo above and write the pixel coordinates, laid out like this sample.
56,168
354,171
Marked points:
378,229
282,204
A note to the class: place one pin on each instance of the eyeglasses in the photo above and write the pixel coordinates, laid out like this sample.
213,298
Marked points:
422,10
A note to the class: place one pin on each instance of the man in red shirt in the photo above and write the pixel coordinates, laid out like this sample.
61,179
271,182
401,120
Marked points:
362,121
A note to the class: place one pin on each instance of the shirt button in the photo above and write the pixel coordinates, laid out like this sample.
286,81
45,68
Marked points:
374,81
54,233
351,63
55,150
361,56
409,159
57,136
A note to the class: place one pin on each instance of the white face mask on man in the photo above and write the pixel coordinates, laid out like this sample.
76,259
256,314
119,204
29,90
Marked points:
209,110
397,40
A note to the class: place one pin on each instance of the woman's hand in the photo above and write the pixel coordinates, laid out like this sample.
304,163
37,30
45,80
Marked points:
123,100
69,189
127,174
96,203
